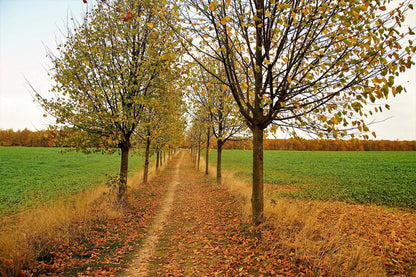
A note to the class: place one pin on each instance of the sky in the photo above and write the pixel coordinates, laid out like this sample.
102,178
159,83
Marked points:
28,27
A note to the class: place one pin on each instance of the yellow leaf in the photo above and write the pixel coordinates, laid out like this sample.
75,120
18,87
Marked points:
244,85
293,15
355,14
150,25
213,5
225,20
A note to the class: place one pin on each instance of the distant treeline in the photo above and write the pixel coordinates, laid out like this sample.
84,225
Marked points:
46,139
326,145
25,138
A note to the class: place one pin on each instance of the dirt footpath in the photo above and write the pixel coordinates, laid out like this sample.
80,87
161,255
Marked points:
204,234
142,258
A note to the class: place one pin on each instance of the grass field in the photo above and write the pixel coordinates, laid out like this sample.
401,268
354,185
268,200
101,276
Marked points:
31,175
383,178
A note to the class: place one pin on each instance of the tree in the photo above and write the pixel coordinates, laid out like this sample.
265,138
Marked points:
216,101
307,64
162,121
194,137
103,76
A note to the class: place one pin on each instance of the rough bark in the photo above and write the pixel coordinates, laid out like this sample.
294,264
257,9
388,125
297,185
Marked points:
157,159
207,150
199,153
146,161
219,159
122,187
257,192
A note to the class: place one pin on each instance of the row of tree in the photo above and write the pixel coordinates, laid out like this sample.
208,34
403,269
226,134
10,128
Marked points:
241,66
325,145
310,65
117,83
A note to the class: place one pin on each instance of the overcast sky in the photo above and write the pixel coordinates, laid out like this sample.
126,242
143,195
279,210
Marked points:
26,26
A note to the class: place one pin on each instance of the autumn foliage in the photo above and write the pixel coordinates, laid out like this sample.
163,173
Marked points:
25,138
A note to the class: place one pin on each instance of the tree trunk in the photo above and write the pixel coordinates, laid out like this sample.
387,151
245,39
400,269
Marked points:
207,152
146,161
199,153
160,158
219,159
122,187
257,193
258,124
157,159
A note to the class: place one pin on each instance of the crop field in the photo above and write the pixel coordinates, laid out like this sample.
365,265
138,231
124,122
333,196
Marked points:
382,178
31,175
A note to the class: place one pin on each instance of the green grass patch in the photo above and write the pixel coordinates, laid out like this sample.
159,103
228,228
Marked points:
32,175
382,178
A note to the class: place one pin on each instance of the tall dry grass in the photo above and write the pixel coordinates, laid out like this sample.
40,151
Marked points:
314,232
32,234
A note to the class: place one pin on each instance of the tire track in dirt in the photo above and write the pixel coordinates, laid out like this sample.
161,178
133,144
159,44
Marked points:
141,260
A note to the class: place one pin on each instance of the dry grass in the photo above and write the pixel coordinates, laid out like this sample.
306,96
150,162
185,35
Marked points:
337,238
306,231
31,235
34,233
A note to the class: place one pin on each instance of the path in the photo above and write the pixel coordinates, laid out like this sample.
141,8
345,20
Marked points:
141,260
200,232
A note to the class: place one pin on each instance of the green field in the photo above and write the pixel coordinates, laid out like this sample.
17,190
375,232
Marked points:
31,175
383,178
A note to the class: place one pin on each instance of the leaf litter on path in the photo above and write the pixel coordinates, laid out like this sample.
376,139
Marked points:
141,259
206,235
